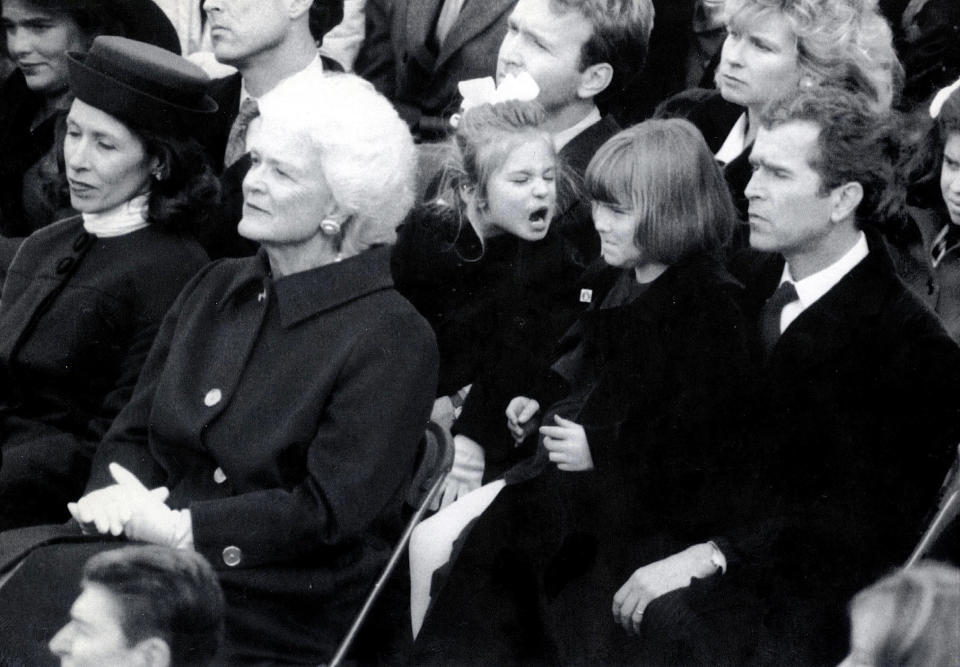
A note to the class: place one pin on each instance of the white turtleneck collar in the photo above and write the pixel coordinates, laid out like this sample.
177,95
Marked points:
124,218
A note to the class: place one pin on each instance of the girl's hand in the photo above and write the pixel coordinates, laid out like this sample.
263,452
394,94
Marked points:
520,413
567,444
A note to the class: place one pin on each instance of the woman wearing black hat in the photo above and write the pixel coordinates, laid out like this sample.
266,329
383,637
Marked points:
84,296
35,97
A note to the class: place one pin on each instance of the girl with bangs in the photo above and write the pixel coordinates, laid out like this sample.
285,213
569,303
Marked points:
632,468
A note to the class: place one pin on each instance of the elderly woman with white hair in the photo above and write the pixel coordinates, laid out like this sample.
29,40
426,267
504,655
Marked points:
276,422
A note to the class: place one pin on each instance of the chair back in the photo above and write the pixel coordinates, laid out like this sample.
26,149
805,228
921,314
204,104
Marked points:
948,509
434,461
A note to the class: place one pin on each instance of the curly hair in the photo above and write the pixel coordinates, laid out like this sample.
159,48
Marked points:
664,174
366,152
843,43
187,188
856,143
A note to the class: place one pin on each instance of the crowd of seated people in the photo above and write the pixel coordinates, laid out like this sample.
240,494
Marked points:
678,280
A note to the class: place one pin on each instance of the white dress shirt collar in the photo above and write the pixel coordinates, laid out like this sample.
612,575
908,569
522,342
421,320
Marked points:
316,63
564,137
814,286
735,143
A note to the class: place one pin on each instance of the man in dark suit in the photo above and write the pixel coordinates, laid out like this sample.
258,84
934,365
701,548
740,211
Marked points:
267,46
859,403
416,51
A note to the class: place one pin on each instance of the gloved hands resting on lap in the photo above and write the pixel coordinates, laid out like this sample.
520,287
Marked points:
467,472
130,508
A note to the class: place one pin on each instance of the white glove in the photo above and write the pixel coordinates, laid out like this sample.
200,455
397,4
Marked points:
467,472
108,510
130,508
151,520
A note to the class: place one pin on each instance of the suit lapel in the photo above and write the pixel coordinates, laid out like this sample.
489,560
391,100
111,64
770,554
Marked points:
828,327
475,17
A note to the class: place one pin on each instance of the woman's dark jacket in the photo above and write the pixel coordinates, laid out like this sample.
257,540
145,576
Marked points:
548,555
286,415
497,310
77,317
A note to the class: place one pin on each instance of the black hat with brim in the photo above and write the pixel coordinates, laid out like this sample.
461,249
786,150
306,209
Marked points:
140,84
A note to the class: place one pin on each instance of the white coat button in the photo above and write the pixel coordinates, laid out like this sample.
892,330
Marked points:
232,556
212,397
219,476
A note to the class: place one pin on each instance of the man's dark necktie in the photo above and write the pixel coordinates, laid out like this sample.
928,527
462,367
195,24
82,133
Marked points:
770,315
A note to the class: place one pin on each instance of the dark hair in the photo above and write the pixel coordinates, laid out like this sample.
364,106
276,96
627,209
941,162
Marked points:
93,17
620,37
187,188
663,172
167,593
855,144
325,15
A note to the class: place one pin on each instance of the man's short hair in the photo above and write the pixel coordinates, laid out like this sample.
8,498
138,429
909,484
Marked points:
621,37
325,15
166,593
855,143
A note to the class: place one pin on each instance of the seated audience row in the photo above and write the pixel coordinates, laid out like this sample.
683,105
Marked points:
665,480
275,423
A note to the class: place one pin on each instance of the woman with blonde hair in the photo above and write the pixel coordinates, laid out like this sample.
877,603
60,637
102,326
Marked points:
774,46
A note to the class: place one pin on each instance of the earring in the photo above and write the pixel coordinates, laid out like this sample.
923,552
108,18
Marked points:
330,226
157,173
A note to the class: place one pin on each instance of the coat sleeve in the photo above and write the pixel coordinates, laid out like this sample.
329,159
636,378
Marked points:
126,441
357,464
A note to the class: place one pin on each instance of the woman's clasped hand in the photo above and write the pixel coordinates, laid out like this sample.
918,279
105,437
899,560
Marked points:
129,508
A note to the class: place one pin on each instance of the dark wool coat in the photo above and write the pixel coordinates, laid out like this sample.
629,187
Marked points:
535,579
77,317
496,309
286,415
714,117
398,56
859,411
21,148
574,245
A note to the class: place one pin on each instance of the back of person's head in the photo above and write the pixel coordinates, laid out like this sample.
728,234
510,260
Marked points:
166,593
843,43
663,172
621,37
365,150
908,619
485,137
855,144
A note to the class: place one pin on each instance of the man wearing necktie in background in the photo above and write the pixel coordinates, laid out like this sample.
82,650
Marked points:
268,41
858,406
